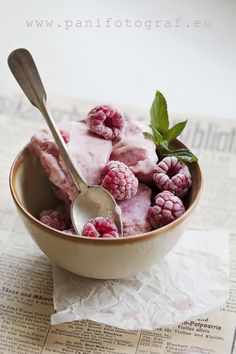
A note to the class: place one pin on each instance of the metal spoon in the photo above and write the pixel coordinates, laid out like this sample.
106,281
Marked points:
90,201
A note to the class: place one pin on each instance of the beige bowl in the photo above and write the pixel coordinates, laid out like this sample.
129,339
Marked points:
94,258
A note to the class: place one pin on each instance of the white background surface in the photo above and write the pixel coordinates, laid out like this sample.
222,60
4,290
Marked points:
193,67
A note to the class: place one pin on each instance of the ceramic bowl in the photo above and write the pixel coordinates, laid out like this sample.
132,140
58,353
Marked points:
90,257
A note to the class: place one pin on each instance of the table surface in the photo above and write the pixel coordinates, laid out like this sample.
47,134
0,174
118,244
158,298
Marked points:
127,50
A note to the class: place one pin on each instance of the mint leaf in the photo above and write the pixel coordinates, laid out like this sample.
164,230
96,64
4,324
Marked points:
162,135
159,115
157,136
183,155
148,135
164,146
175,131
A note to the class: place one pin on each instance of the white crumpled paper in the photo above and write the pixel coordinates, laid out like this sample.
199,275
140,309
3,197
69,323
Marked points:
190,281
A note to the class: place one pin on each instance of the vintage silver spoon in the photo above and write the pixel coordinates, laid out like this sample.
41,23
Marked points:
90,201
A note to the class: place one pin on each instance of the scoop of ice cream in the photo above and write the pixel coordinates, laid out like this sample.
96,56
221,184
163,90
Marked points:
90,153
137,152
134,211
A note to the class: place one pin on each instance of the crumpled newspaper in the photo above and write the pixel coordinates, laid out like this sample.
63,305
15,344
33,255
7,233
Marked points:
191,281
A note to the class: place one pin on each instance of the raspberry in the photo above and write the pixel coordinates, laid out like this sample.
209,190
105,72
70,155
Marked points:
65,136
168,207
106,121
100,227
172,175
53,219
119,180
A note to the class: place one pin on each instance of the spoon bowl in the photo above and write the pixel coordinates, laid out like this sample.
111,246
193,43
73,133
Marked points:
92,202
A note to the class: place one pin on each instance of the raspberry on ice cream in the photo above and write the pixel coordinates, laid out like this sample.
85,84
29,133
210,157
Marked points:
106,122
168,207
172,175
53,219
119,180
100,227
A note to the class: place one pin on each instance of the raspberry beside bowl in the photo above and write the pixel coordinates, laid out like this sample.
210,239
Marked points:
94,258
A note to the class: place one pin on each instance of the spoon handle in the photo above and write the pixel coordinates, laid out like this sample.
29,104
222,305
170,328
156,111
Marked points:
26,74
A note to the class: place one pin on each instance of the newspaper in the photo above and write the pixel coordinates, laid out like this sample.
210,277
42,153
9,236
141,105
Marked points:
26,276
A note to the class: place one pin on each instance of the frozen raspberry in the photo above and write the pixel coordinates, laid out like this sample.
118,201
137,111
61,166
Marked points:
168,207
53,219
172,175
106,121
65,136
119,180
100,227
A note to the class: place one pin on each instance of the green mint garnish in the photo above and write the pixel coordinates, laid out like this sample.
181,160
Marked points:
175,131
162,135
159,115
148,135
183,155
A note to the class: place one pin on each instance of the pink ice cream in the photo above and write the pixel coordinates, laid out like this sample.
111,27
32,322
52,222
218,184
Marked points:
89,152
137,152
134,211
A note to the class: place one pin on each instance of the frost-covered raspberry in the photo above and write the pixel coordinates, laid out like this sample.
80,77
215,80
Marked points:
53,219
172,175
119,180
65,136
168,207
106,121
100,227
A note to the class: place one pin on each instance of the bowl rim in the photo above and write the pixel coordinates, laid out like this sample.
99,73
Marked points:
127,239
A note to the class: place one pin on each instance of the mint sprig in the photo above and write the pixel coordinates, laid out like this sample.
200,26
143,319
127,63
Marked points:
175,131
159,114
162,135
